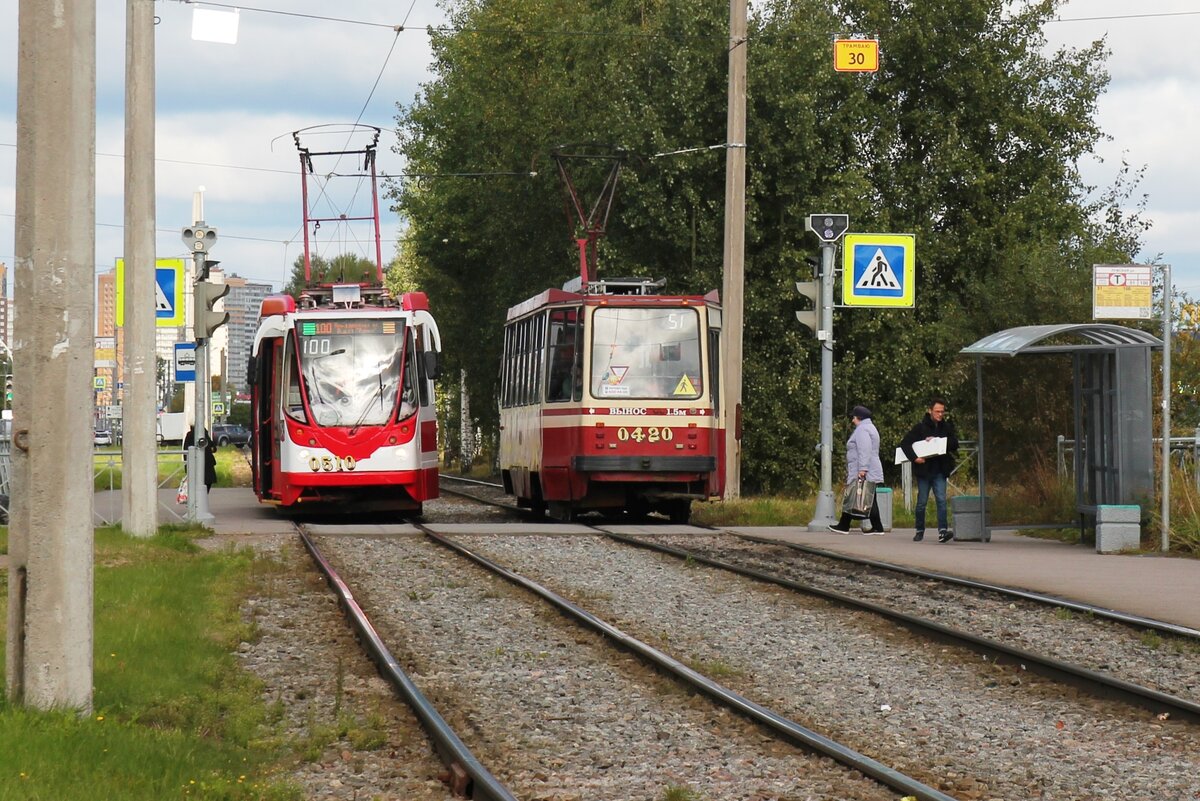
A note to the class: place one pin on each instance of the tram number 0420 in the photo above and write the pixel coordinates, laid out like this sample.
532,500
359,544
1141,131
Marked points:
649,434
331,464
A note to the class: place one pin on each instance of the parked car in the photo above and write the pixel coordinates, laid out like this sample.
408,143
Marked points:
231,434
102,437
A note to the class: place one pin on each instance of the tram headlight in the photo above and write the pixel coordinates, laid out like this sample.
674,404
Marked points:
303,456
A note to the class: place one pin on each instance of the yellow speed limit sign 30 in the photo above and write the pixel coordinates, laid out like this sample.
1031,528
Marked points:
856,55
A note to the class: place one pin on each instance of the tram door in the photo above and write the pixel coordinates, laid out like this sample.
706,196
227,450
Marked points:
263,374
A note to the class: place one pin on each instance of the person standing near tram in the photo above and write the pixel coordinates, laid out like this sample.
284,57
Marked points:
932,472
862,461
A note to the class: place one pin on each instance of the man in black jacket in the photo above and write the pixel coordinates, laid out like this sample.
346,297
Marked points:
932,471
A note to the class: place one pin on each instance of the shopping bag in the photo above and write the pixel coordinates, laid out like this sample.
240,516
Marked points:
181,496
859,498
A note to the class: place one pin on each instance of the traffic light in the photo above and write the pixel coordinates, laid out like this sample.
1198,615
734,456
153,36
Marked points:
8,388
812,291
828,227
205,320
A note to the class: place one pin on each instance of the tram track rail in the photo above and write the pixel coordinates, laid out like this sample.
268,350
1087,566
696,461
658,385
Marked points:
779,724
468,776
1092,682
1136,621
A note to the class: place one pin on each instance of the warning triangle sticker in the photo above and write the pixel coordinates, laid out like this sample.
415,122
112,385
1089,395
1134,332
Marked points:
684,387
160,299
615,375
879,274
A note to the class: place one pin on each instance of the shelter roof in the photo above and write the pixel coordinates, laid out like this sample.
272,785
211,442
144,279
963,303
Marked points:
1061,338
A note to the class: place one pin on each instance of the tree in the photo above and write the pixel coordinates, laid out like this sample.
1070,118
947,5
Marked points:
968,137
344,268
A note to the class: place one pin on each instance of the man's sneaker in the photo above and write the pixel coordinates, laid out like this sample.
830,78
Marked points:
920,535
870,533
945,535
837,530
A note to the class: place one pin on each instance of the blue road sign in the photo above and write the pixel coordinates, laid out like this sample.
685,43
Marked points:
185,361
879,270
168,293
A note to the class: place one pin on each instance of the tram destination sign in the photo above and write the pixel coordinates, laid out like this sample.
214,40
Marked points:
350,327
1121,291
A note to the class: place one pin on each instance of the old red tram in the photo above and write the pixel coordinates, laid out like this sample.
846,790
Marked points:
610,399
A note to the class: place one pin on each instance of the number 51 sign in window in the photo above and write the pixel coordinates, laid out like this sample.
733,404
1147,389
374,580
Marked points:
856,55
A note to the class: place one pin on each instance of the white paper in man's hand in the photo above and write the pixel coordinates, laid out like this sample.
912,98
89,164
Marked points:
935,446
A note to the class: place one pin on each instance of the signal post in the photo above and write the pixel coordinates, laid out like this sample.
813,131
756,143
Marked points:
829,228
205,320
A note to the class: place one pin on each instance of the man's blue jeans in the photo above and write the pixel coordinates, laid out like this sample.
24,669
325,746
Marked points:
938,483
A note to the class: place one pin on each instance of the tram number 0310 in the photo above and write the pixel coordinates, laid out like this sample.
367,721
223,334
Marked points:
331,464
640,434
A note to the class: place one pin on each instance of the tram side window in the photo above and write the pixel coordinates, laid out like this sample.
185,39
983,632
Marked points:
506,370
563,380
293,401
418,359
537,357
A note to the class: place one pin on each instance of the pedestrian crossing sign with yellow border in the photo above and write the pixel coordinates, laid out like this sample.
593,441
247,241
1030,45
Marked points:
879,270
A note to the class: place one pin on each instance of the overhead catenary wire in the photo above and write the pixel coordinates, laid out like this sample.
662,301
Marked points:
403,27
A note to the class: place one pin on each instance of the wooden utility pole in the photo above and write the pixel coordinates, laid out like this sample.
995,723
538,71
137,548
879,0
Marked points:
139,442
50,578
735,247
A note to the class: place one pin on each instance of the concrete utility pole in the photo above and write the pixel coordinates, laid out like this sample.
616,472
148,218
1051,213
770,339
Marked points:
50,578
139,443
735,248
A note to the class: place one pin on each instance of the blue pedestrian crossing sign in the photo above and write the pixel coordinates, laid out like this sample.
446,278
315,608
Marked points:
169,279
879,270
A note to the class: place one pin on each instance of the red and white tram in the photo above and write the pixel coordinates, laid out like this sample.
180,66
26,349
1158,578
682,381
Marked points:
342,404
610,399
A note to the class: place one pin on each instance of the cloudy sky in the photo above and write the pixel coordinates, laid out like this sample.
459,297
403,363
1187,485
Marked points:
225,114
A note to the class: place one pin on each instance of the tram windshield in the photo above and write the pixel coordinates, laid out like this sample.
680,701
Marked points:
352,368
646,353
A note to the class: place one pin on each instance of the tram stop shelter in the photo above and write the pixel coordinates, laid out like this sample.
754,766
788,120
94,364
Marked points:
1114,458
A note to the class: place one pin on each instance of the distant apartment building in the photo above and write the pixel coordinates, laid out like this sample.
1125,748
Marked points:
243,303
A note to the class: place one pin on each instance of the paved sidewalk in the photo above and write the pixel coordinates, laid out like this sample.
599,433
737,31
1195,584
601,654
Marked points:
1159,587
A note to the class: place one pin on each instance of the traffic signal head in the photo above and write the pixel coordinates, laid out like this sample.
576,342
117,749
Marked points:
206,320
199,238
8,382
828,227
812,291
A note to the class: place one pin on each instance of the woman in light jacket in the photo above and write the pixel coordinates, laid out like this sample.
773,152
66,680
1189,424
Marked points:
862,461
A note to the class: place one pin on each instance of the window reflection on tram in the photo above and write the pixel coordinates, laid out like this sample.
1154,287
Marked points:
646,353
351,371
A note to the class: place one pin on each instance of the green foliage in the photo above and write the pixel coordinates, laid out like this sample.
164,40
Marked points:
174,717
343,268
968,137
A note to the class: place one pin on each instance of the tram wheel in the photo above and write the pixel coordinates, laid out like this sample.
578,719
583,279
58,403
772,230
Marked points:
680,512
564,512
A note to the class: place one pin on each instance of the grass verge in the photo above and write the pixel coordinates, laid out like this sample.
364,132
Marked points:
174,715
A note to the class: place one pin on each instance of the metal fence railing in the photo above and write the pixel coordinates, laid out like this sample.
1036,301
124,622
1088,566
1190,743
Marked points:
106,471
1185,452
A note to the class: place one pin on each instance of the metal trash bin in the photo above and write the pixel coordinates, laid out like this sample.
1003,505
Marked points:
968,521
883,499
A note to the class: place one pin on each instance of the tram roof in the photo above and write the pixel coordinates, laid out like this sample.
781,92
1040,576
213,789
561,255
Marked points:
554,297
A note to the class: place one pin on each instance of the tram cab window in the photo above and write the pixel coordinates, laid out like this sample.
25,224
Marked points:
646,353
564,375
293,402
351,370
